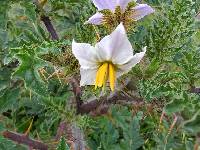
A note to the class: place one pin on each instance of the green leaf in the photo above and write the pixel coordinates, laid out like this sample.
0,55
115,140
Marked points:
180,102
30,10
28,71
125,131
192,125
176,105
5,74
152,68
62,145
9,99
132,139
3,13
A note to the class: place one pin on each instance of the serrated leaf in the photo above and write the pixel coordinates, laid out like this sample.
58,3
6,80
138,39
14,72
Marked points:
5,74
175,105
179,103
152,68
3,13
62,145
192,126
28,71
30,10
9,99
132,139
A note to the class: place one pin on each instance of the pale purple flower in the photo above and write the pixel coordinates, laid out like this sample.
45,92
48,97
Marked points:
139,11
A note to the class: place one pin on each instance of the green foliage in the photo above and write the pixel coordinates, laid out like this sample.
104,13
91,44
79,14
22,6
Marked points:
28,71
63,145
9,99
119,130
35,72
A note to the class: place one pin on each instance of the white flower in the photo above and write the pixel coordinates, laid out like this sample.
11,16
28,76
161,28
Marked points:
109,59
138,12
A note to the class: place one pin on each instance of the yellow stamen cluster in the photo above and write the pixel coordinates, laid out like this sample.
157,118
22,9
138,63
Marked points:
111,20
105,71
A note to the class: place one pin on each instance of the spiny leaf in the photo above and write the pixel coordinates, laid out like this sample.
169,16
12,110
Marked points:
62,145
9,99
28,71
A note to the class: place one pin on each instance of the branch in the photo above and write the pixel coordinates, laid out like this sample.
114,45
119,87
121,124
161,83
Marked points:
22,139
77,93
47,22
195,90
61,131
73,135
101,106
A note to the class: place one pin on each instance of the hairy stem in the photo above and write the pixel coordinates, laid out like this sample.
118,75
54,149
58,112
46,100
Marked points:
23,139
47,22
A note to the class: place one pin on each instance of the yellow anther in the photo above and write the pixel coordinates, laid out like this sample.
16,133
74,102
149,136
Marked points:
112,76
105,70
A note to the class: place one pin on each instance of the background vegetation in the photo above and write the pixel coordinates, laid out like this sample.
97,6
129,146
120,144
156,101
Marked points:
156,105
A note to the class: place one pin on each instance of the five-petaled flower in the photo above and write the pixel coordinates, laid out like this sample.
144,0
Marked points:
107,60
137,12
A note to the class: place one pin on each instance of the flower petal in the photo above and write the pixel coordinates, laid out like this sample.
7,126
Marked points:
95,19
123,4
133,61
86,54
105,4
88,76
115,47
141,11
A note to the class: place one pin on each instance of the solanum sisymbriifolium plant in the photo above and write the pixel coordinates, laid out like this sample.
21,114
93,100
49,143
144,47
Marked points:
99,74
